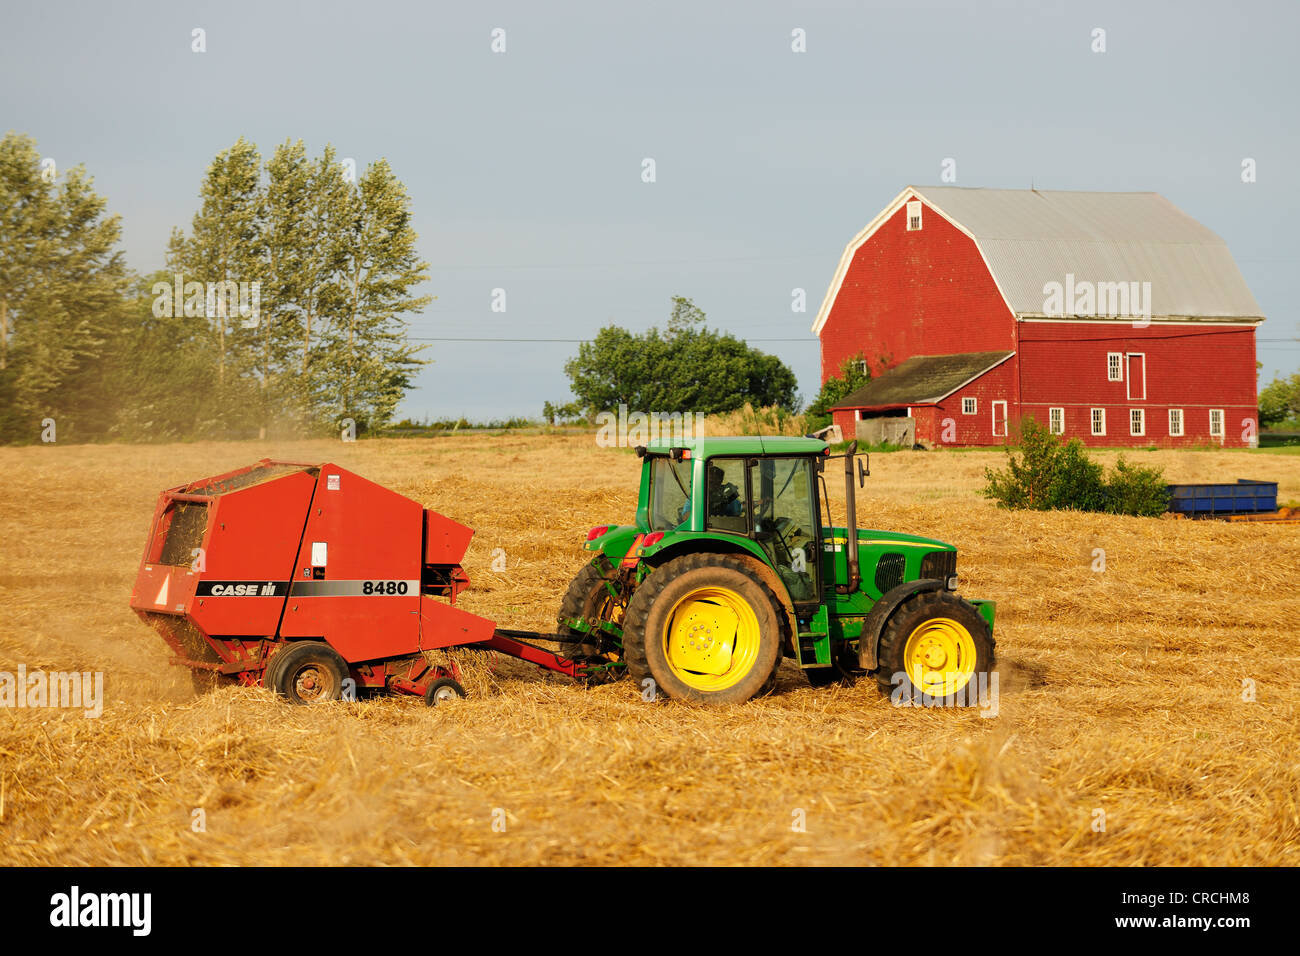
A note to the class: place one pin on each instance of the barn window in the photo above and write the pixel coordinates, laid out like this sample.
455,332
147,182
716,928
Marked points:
1137,421
913,216
1216,422
1056,421
1099,421
1114,366
862,366
1176,422
968,406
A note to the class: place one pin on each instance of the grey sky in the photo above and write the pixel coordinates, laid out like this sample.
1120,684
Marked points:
525,167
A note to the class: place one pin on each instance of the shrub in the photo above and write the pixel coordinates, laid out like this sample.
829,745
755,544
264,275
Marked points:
1049,475
1077,481
1134,490
1027,481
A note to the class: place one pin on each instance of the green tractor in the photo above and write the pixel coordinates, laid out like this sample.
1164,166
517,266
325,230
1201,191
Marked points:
733,564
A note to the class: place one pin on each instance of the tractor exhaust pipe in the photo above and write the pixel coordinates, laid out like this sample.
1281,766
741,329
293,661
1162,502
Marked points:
851,522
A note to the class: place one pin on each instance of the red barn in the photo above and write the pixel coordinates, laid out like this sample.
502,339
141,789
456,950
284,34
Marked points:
1111,317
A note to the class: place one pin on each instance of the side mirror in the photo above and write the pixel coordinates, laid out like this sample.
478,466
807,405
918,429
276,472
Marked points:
864,469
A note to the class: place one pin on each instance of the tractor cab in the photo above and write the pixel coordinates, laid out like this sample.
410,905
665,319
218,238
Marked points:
761,489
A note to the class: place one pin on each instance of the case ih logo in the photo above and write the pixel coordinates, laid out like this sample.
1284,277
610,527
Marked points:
242,589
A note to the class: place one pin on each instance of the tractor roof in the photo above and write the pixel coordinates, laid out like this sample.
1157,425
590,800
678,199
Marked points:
709,446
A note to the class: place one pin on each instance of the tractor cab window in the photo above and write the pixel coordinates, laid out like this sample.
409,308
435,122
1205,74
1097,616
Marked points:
670,493
785,520
726,507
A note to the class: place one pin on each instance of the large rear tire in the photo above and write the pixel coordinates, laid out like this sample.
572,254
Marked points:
703,628
937,650
593,596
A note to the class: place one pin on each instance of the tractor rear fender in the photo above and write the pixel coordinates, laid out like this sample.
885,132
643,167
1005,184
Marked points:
874,625
743,550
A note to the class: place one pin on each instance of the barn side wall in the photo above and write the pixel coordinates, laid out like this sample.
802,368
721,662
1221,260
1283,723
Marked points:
1193,368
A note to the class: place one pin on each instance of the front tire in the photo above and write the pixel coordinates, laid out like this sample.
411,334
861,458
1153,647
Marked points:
704,628
935,647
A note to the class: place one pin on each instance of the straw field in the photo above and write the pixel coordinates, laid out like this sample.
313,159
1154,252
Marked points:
1147,713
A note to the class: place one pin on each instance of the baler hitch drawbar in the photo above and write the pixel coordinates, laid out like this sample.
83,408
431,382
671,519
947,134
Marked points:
302,577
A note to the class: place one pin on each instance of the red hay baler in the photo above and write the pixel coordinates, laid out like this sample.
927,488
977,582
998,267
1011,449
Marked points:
303,577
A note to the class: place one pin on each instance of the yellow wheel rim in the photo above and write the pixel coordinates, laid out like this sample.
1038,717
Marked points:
939,657
711,638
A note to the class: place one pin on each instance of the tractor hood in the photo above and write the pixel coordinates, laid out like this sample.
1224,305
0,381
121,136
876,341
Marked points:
870,536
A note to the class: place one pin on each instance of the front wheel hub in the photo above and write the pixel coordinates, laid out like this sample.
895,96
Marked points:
940,657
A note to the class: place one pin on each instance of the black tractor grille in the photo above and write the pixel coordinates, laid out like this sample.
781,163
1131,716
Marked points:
890,571
939,564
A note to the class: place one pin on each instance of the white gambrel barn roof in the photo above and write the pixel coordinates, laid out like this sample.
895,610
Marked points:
1029,238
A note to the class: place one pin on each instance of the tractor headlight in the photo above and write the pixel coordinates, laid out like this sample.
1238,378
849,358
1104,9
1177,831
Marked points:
952,582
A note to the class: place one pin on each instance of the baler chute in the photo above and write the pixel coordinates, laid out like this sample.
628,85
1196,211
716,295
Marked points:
356,580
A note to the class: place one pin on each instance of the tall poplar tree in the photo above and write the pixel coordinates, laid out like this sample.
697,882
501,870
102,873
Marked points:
226,245
62,291
369,360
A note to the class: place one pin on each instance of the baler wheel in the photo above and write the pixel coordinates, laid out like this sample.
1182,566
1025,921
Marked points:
308,672
443,690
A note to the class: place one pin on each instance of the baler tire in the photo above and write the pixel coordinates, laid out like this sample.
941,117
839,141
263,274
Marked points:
295,658
953,617
580,601
431,693
644,639
268,674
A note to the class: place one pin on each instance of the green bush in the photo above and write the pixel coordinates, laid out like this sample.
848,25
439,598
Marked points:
1027,481
1050,476
1077,480
1134,490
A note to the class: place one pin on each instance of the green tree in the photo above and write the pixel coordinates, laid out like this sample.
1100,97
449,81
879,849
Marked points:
1279,402
686,367
307,204
336,263
62,290
162,367
226,245
369,360
854,373
568,412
